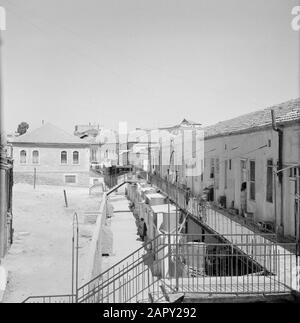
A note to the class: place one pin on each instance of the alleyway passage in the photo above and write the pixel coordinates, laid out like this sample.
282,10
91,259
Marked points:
124,232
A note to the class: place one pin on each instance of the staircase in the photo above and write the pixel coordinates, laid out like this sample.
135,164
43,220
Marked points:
135,279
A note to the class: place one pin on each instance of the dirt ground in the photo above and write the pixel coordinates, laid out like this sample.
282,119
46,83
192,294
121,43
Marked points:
39,262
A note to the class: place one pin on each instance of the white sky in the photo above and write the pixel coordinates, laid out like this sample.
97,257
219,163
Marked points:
148,62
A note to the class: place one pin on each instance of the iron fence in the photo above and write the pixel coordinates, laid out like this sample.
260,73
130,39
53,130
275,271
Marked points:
51,299
218,221
201,264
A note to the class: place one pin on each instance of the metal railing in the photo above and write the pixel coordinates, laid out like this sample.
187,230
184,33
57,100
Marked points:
51,299
130,280
203,264
234,262
218,221
247,267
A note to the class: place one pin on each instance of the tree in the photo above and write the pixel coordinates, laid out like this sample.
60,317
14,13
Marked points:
22,128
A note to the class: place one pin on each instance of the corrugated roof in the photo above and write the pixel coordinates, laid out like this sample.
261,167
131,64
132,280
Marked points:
285,112
50,134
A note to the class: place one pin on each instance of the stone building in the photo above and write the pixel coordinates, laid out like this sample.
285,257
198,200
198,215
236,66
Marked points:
250,165
52,157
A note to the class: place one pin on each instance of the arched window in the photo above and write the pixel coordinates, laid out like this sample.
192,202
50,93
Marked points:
35,157
64,157
23,157
75,157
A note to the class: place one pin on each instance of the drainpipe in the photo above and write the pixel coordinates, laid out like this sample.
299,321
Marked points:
279,168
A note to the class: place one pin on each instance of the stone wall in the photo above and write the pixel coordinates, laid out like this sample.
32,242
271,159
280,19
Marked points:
50,178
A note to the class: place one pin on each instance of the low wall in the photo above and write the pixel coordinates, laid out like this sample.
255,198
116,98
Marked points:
51,178
98,245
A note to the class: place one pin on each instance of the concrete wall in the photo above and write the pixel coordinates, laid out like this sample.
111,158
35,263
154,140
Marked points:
49,169
94,264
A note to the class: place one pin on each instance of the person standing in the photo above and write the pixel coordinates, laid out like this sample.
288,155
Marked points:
142,229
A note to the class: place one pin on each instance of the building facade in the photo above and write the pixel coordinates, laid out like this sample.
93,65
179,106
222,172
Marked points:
250,165
50,156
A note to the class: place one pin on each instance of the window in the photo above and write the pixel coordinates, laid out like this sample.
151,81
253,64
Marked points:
252,180
35,157
75,157
70,179
230,164
270,180
194,144
23,157
64,157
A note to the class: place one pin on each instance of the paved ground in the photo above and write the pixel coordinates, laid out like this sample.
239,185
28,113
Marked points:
39,262
125,239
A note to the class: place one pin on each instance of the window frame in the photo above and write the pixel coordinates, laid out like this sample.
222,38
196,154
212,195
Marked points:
38,157
61,153
78,157
20,157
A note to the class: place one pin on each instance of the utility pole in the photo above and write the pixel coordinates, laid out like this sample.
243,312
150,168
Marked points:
149,154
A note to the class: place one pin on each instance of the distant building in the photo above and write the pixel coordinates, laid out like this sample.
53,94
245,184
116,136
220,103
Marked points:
87,131
56,157
249,166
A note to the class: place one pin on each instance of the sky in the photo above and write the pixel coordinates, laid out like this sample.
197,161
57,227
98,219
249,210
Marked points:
150,63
